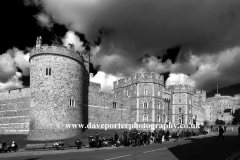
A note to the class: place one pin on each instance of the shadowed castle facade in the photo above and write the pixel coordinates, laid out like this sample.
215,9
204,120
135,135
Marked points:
60,92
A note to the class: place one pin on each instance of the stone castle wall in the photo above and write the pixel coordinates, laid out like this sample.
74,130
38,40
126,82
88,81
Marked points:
55,98
100,107
147,77
14,111
182,96
47,101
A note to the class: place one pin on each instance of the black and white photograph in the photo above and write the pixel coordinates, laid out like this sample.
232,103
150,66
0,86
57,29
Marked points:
120,80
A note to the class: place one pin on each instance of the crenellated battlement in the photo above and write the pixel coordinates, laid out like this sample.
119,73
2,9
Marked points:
167,90
94,87
14,93
57,50
146,77
181,88
200,92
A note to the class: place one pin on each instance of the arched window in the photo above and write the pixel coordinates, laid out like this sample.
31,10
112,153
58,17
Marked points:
48,71
145,91
158,118
190,122
180,110
114,105
158,93
164,118
145,118
145,105
158,106
72,103
179,121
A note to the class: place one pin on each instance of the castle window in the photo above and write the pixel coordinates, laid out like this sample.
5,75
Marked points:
145,118
158,118
72,103
145,91
164,118
190,101
158,93
127,93
163,107
145,105
179,121
190,111
180,110
114,105
158,105
48,71
180,100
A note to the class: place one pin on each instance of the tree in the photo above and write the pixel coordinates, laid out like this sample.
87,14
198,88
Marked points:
236,116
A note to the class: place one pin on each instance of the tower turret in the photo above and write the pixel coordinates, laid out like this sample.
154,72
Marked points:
57,80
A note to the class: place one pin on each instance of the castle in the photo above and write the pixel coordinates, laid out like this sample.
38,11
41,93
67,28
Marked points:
60,92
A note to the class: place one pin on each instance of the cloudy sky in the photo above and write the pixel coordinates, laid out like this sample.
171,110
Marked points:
190,42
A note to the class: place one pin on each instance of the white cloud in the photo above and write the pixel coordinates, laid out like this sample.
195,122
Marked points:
179,79
7,67
106,81
13,83
22,61
9,61
72,38
155,65
44,20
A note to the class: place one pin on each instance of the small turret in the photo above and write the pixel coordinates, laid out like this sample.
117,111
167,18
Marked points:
71,46
39,41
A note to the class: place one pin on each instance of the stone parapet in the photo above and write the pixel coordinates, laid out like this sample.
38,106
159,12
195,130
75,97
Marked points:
14,93
146,77
56,50
94,87
181,88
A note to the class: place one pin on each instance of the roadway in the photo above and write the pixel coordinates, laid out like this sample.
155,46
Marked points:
202,147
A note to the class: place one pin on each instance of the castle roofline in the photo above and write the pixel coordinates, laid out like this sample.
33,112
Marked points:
181,88
56,50
9,90
144,77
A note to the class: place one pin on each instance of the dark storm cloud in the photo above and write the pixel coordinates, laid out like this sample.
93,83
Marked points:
139,26
128,30
223,70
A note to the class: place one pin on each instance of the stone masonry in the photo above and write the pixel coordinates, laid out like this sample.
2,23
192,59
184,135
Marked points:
60,93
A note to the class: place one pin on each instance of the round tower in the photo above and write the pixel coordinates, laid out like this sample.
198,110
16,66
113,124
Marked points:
56,82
